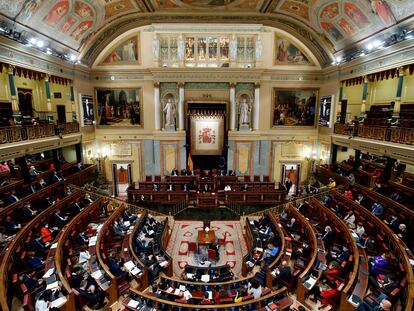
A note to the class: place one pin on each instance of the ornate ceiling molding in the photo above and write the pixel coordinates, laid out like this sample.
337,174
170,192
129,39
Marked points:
116,28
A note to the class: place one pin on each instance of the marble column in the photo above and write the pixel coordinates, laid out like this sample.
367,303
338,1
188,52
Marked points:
13,92
181,118
157,106
232,106
256,108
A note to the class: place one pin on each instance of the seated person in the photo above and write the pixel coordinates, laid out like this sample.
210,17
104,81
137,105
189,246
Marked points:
47,234
33,173
327,236
33,284
360,230
293,224
264,233
340,256
11,225
403,233
91,295
186,187
43,303
206,188
56,177
331,184
384,305
42,183
254,288
283,275
34,262
214,247
87,200
227,188
245,187
117,269
13,197
270,253
84,257
174,172
333,271
328,296
27,212
155,187
350,219
58,220
170,187
377,209
4,238
379,263
360,199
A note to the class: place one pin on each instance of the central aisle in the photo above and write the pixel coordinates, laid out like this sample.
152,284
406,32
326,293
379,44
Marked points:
184,232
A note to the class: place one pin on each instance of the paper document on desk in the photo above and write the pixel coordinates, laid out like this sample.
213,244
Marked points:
52,285
205,278
133,304
97,274
135,271
54,245
48,273
129,265
182,287
177,291
58,302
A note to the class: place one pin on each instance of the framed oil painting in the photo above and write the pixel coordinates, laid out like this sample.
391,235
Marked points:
126,52
119,107
287,53
294,107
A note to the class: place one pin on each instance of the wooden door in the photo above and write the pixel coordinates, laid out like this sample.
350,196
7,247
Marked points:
25,101
61,113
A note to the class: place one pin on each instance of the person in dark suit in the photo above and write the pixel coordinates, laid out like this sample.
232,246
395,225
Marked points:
27,212
92,297
118,270
77,276
13,197
56,177
328,235
174,172
283,275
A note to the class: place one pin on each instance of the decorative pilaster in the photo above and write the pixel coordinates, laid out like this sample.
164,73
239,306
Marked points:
157,106
397,106
364,96
181,106
13,92
48,94
256,108
232,106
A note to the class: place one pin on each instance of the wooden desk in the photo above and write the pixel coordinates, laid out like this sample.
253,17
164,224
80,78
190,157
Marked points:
206,238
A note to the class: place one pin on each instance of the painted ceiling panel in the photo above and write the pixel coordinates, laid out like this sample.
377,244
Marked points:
339,23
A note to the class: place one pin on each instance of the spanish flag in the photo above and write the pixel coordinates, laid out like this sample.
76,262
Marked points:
190,162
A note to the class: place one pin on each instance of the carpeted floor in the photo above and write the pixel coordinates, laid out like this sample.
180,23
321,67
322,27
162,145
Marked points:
184,232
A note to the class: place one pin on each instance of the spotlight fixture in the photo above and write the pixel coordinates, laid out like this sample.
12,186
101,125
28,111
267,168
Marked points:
370,46
40,44
72,57
49,51
33,41
338,59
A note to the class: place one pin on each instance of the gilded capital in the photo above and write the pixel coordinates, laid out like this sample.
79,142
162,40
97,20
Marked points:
157,84
232,85
10,69
181,84
257,85
401,71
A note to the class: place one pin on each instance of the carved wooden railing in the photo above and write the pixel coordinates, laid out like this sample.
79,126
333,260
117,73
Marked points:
12,134
393,134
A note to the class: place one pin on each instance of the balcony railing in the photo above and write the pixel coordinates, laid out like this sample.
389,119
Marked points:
13,134
393,134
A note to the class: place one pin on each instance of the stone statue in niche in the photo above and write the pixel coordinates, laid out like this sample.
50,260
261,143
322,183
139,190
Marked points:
169,113
244,114
155,48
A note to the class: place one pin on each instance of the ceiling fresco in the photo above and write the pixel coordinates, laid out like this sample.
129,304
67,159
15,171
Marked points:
332,24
